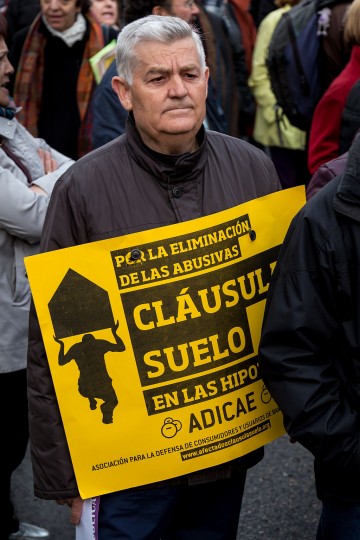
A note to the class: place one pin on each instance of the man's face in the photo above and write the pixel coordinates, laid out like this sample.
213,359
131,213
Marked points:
167,95
5,71
60,14
184,9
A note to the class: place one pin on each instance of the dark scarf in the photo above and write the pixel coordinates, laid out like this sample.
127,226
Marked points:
8,112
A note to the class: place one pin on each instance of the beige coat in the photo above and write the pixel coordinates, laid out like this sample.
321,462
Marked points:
266,129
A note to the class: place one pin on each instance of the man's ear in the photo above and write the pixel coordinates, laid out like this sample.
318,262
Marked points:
159,10
122,90
207,75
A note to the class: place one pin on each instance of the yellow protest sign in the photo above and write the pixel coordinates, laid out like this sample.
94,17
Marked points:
152,343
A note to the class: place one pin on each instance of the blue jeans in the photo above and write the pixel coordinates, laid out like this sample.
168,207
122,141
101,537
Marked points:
199,512
339,521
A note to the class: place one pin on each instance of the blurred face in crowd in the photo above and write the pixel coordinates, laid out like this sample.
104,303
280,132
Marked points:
167,95
6,70
60,14
105,11
184,9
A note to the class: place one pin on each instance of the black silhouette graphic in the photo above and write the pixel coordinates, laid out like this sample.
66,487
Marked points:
79,306
94,380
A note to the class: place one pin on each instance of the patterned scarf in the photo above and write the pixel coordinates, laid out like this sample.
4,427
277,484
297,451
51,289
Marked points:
29,81
7,112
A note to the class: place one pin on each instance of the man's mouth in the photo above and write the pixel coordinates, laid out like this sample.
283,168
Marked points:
183,108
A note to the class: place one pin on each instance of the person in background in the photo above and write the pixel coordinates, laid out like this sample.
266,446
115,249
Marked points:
106,12
54,81
220,59
247,26
285,143
226,11
29,169
334,49
260,8
324,138
178,171
309,349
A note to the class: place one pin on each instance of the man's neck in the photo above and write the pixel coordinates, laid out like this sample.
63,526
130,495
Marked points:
172,144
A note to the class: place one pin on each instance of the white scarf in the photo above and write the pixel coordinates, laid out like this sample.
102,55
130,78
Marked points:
70,35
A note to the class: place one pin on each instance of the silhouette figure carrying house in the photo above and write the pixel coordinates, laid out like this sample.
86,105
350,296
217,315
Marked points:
94,380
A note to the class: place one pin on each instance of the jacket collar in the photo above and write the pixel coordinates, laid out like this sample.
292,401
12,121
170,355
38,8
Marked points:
7,128
347,197
166,168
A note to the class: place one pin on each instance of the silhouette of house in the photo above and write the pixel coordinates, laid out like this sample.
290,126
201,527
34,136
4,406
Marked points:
79,306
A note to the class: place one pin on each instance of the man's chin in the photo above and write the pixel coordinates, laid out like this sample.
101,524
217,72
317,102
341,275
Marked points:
181,128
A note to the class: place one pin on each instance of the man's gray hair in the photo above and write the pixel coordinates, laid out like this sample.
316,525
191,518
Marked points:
152,28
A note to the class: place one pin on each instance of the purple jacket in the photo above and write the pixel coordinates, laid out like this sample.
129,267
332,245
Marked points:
325,173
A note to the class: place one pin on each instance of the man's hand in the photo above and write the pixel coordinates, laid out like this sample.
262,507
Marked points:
76,506
49,163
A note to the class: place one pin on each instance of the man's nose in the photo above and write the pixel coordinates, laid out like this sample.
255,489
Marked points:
177,87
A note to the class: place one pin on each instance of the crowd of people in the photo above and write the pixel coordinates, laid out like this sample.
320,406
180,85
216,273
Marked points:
54,112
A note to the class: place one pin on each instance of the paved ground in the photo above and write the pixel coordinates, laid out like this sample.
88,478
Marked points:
279,501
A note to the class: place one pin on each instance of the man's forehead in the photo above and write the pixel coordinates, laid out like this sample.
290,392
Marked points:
153,54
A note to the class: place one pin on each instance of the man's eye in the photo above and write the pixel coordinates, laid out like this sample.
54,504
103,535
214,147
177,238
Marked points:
158,79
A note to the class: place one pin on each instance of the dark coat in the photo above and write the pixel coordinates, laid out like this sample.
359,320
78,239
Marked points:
309,350
350,120
120,188
20,14
109,116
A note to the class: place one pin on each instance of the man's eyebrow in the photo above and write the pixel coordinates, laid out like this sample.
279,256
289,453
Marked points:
159,69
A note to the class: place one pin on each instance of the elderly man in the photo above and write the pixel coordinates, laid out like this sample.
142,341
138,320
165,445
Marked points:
165,169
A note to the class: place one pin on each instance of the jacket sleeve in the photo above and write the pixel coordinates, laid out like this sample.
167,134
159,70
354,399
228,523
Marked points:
259,81
109,115
52,468
322,176
22,212
54,476
324,139
302,345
